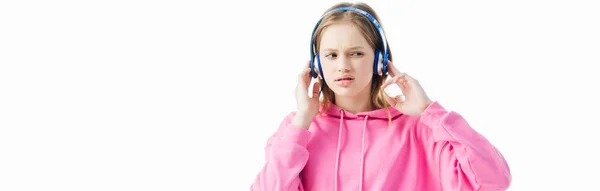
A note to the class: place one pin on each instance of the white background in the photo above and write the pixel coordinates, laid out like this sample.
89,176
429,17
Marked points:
173,95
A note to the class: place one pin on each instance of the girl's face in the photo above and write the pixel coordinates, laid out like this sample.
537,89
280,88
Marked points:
346,60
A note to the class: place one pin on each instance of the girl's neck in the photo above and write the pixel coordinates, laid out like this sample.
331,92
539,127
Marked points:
355,104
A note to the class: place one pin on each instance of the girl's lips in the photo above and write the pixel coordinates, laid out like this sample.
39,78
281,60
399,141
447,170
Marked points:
346,77
344,82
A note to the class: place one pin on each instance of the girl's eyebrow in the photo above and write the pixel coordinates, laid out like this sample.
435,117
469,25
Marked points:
351,48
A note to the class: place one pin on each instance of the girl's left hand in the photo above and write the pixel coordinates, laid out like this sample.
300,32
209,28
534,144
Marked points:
415,99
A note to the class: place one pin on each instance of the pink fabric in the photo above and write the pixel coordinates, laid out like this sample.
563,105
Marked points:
343,151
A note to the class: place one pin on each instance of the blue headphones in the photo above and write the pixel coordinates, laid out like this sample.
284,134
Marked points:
380,63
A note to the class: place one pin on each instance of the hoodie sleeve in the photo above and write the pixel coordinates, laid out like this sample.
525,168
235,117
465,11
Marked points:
463,158
285,157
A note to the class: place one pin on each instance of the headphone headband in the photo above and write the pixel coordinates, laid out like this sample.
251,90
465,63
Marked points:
362,12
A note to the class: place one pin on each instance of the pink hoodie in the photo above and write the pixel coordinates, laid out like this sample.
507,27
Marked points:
343,151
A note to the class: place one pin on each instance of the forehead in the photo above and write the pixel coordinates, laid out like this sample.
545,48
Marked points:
340,36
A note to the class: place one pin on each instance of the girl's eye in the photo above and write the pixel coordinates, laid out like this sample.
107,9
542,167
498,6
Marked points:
334,55
357,54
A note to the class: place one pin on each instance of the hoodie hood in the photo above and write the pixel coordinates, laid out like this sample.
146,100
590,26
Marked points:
383,113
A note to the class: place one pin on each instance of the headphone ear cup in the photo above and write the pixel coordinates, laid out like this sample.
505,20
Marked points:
384,64
378,68
317,66
380,65
314,69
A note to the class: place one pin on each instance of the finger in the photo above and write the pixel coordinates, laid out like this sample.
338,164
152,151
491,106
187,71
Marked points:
394,101
389,99
306,67
304,78
399,99
412,83
392,69
404,86
411,79
304,73
315,90
399,80
389,82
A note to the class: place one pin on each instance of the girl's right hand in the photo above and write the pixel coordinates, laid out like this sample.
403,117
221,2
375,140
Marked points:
308,107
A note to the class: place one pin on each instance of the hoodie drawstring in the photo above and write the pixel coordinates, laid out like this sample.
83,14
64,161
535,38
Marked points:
337,157
362,157
362,154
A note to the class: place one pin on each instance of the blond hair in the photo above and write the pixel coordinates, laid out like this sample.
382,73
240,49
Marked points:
370,33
